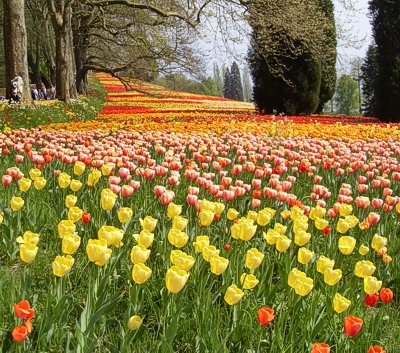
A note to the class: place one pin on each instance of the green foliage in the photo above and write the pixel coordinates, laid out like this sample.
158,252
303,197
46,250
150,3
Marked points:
14,116
386,31
346,97
233,88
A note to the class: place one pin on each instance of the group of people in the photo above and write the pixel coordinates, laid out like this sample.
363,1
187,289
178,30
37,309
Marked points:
43,93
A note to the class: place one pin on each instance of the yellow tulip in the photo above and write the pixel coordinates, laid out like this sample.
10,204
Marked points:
303,286
280,228
65,227
218,264
209,251
70,243
75,185
233,294
145,238
301,237
263,218
300,225
64,180
243,229
317,212
75,214
70,201
206,217
140,273
28,252
378,242
346,244
340,303
93,178
108,199
16,203
207,205
304,256
252,215
1,217
248,281
272,236
134,322
148,223
175,279
294,275
39,183
345,209
112,235
179,223
35,173
321,223
296,212
285,214
98,252
177,238
323,263
363,250
174,210
352,220
62,264
201,242
28,237
232,214
106,169
79,167
342,226
25,184
254,258
182,260
219,207
283,243
371,285
139,254
125,214
364,268
331,277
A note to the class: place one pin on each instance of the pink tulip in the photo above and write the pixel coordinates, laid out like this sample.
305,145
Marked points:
149,173
167,197
255,203
6,180
123,172
159,190
191,199
126,190
116,189
135,184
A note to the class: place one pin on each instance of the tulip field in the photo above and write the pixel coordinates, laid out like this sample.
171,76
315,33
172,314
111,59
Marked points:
175,222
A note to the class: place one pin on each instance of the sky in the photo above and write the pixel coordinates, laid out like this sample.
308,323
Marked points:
355,23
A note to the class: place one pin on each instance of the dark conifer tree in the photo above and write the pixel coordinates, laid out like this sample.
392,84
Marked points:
236,83
385,18
227,84
368,76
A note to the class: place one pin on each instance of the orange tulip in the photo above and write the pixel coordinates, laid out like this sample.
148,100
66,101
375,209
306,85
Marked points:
23,310
20,333
352,325
265,315
376,349
386,295
320,348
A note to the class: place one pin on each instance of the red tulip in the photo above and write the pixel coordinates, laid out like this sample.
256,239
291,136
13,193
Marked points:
320,348
370,299
19,333
376,349
386,295
352,325
265,315
86,217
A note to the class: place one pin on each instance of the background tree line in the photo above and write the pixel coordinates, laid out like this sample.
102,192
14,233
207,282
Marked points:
292,56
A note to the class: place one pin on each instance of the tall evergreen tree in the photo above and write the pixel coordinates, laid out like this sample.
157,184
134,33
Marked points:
346,96
218,80
247,88
385,17
236,83
227,84
368,76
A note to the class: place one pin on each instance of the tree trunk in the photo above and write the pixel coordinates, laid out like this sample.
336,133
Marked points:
81,42
15,46
61,19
